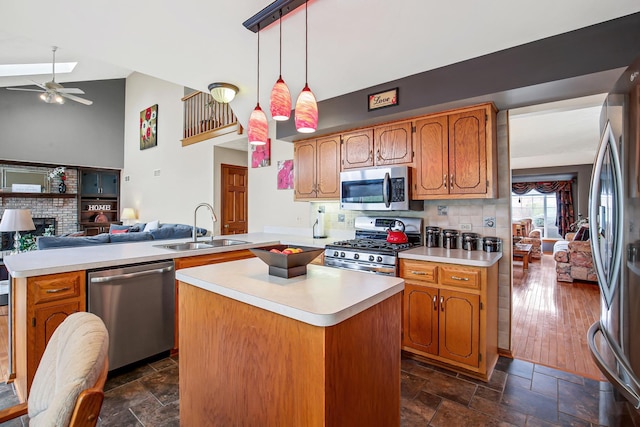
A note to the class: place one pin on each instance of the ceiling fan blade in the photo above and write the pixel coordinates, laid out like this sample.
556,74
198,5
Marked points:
77,99
38,84
73,90
25,90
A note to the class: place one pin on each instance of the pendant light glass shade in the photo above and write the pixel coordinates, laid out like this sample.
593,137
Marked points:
258,129
306,111
280,101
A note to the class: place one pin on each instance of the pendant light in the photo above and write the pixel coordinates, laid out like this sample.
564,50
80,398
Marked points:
280,102
306,105
258,129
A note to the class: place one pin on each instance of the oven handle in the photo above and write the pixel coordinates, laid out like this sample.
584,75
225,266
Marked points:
386,187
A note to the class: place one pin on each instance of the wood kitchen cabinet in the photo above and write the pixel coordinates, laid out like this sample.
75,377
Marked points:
317,166
456,154
450,315
196,261
41,305
391,144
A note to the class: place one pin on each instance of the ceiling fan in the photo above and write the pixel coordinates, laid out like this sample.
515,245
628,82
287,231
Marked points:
54,92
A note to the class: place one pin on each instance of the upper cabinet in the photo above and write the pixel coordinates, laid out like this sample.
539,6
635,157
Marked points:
456,155
380,146
100,183
317,169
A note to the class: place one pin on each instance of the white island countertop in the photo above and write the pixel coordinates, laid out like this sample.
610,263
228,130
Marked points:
63,260
325,296
452,256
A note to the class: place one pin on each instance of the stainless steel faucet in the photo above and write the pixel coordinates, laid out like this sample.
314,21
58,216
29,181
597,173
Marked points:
195,216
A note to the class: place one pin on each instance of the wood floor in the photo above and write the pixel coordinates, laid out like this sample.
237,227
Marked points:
551,318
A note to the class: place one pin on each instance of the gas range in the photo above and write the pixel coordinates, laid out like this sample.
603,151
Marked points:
370,251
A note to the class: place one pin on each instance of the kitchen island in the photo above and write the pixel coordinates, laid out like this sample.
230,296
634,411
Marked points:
318,349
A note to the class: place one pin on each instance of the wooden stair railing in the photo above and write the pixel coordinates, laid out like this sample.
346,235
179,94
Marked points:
205,118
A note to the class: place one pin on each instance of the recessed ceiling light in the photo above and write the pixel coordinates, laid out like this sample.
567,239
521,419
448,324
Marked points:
10,70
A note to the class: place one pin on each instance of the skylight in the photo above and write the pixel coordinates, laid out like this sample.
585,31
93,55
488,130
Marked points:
11,70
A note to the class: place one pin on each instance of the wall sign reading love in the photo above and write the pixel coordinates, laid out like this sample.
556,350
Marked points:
384,99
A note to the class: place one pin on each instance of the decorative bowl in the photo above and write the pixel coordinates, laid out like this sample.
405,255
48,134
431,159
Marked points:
287,266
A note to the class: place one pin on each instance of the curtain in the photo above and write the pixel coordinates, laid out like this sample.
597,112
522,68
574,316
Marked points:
564,199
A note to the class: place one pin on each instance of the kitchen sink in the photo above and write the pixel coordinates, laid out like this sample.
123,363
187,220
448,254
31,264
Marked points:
189,246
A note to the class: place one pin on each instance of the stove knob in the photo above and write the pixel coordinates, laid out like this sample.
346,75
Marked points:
371,258
356,256
379,259
336,253
342,254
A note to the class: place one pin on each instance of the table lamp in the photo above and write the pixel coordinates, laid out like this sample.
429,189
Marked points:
128,214
16,220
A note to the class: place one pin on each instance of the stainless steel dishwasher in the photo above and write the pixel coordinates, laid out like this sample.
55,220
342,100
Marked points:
137,304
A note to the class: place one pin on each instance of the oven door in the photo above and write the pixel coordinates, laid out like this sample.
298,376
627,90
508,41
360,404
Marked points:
380,189
383,269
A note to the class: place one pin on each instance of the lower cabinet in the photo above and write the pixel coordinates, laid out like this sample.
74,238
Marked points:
41,305
196,261
450,315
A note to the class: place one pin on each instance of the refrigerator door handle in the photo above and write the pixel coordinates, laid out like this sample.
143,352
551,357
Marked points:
628,392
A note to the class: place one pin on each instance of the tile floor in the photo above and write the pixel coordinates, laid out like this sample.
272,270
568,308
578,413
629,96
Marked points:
519,393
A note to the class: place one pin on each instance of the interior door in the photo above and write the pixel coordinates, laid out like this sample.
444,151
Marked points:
234,215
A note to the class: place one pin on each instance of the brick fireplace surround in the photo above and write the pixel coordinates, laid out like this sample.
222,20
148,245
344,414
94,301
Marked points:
64,210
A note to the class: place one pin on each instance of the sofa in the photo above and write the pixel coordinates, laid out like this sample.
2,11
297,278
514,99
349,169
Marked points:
121,234
573,258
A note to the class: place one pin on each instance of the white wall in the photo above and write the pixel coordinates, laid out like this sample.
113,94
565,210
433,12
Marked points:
186,173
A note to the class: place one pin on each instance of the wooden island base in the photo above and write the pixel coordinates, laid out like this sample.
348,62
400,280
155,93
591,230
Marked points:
242,365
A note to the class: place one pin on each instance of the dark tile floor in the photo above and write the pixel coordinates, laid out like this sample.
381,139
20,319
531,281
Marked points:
519,393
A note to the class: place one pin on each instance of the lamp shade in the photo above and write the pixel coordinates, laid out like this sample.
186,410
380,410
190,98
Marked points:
258,129
16,220
280,101
306,111
128,213
223,92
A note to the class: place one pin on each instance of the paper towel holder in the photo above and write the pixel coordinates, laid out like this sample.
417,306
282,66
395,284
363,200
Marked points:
316,236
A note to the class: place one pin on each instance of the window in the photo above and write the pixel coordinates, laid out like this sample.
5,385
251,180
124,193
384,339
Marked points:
540,207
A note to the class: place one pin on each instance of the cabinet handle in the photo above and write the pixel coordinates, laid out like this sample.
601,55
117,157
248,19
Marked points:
441,303
464,279
451,182
378,156
435,303
55,291
419,273
370,155
444,180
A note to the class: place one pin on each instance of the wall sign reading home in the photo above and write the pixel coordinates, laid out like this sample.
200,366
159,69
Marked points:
384,99
98,207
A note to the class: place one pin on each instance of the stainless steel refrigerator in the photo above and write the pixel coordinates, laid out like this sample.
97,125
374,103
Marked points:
614,221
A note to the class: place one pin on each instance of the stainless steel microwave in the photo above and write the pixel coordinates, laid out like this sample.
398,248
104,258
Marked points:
377,189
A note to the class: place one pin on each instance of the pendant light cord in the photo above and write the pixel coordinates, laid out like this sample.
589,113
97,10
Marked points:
280,43
306,43
258,93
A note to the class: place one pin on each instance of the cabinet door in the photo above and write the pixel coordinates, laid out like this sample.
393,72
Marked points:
304,159
468,153
90,183
328,168
420,323
357,149
109,184
47,319
431,174
459,327
393,144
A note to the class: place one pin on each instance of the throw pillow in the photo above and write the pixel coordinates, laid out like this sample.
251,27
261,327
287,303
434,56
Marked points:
118,231
582,234
151,225
117,227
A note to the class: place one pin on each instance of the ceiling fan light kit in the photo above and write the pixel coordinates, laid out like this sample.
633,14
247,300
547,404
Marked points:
53,92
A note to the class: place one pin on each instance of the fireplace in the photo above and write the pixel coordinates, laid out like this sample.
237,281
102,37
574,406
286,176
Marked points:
41,225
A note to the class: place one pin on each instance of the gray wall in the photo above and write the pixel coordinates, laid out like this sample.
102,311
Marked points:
580,190
71,134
